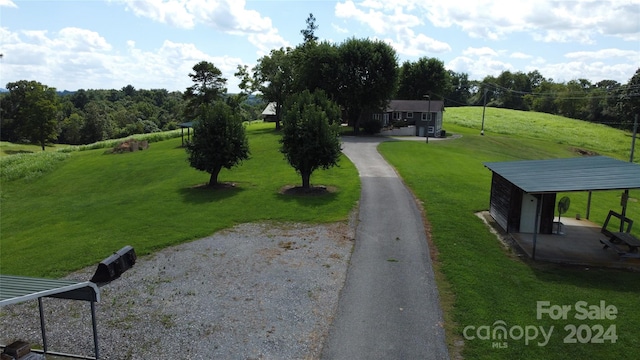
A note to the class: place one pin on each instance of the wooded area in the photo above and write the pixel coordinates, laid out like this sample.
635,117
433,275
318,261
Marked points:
360,75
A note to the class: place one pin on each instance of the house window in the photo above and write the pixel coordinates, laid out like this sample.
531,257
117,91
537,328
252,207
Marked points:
430,130
397,115
377,117
425,116
409,115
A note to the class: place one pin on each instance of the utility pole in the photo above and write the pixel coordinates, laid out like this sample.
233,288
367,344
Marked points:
428,116
484,106
625,195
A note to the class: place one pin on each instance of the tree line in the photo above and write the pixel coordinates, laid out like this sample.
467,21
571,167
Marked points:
359,75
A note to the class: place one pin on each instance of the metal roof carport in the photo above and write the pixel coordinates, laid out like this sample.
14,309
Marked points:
17,289
591,173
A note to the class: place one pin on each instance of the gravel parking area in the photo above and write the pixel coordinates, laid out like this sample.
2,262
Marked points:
256,291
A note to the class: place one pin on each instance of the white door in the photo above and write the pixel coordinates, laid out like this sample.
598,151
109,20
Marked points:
528,213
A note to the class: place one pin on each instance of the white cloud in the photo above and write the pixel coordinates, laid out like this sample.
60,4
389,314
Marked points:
172,12
339,29
546,20
7,3
480,52
630,55
390,18
410,44
520,55
228,16
81,40
76,58
479,63
593,71
376,18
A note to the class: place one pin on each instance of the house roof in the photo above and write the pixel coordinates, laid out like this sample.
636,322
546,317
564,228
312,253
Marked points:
415,105
270,109
564,175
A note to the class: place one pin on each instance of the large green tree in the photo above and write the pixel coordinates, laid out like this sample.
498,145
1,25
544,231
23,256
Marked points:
317,66
427,76
33,110
208,87
219,140
368,77
310,133
273,76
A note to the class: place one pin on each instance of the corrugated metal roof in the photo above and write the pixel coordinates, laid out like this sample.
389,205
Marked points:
17,289
574,174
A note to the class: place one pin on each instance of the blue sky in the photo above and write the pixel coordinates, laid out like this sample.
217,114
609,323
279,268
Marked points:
151,44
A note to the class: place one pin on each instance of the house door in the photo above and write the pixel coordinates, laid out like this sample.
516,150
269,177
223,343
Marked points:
421,131
528,213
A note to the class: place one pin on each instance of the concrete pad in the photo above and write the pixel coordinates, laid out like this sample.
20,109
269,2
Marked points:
578,243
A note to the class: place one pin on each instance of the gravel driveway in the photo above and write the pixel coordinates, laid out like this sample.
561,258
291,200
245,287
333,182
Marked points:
256,291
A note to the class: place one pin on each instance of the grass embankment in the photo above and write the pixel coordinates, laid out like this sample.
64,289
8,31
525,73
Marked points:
93,203
484,283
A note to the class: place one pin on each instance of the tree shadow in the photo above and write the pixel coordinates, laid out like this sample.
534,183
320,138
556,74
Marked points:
618,280
273,131
315,196
15,152
202,193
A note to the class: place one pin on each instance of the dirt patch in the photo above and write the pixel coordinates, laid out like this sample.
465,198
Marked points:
584,152
130,145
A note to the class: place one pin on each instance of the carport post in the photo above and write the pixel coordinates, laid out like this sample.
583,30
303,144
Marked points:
536,225
95,330
42,328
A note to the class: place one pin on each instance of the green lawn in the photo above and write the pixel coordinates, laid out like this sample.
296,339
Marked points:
75,212
92,203
482,283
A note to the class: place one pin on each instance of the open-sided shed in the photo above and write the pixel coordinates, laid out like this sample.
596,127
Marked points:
523,193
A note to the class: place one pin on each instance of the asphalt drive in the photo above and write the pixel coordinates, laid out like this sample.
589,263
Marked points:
389,307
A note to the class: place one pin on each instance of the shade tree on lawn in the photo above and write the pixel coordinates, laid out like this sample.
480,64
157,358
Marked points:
218,141
209,86
310,133
31,112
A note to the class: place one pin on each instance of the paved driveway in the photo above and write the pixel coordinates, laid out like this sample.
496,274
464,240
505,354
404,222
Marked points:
389,307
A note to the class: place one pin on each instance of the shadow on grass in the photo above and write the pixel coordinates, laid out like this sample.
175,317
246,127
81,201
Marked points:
316,196
618,280
15,152
201,194
272,131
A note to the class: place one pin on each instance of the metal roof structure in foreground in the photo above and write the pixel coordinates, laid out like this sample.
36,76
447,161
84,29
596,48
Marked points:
591,173
17,289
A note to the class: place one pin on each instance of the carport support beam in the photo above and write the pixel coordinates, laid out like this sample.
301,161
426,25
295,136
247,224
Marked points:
536,226
42,325
589,204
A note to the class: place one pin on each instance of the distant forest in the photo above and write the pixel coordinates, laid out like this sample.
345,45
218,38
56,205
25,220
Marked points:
359,75
87,116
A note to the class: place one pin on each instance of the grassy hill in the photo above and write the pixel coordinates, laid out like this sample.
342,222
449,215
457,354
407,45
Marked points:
88,203
483,284
74,212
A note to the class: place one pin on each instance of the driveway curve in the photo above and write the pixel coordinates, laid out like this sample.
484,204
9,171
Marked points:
389,307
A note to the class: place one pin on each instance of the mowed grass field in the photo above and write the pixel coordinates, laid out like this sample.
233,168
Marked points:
91,203
485,286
